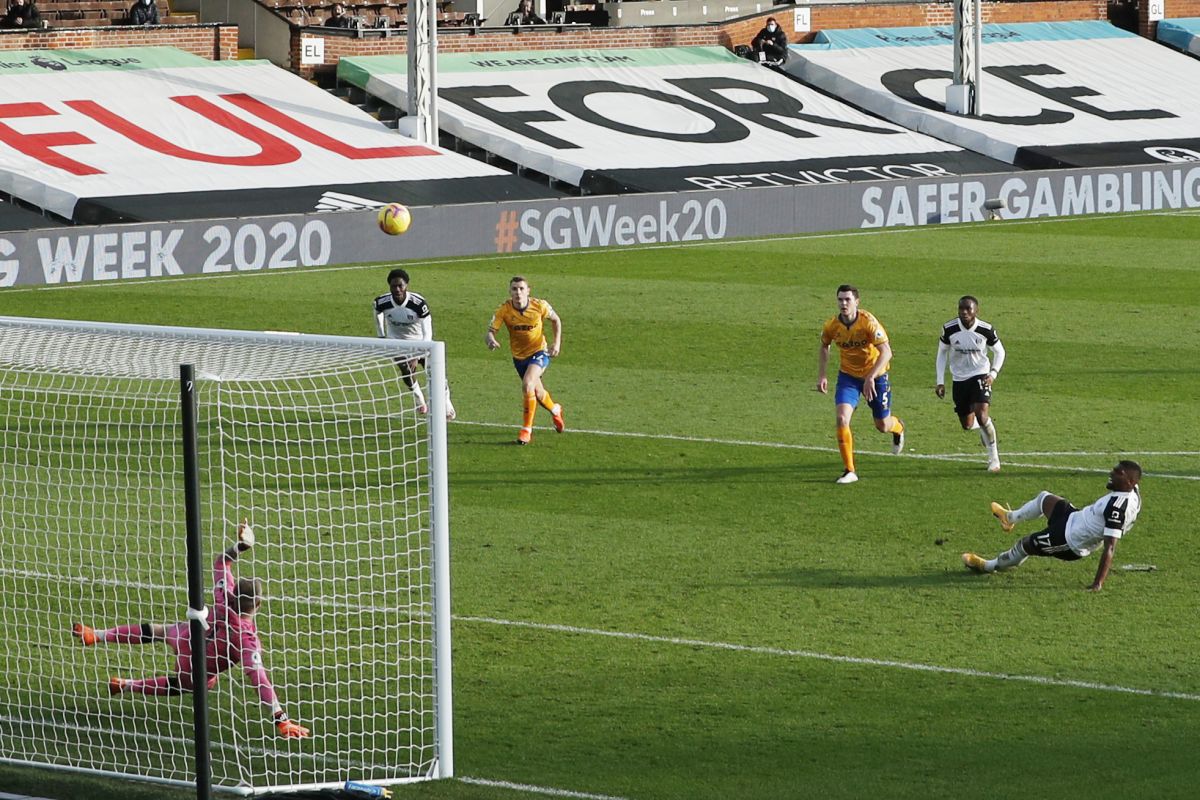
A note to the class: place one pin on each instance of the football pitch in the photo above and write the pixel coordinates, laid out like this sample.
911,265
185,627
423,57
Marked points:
674,600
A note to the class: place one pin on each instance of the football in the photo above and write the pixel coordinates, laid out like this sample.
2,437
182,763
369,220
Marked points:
394,219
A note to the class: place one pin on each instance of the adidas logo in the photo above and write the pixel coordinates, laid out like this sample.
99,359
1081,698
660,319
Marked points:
336,201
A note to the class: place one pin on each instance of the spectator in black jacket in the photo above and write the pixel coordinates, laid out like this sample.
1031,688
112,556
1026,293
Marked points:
21,14
525,15
144,12
339,18
770,45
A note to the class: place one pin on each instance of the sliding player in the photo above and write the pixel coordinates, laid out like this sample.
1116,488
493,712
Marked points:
865,357
523,316
232,639
1070,533
964,343
401,314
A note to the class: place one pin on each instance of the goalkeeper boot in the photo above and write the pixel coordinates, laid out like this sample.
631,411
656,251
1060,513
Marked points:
847,477
84,634
974,563
524,435
559,425
1001,513
117,685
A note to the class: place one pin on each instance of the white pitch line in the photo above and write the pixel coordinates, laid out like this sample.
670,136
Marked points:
956,457
336,758
493,257
524,787
868,662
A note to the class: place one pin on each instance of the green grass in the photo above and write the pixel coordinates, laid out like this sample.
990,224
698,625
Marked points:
719,524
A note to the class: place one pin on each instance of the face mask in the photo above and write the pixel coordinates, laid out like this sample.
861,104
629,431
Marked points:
771,27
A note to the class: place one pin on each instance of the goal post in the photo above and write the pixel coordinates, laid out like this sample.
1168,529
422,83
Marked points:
319,442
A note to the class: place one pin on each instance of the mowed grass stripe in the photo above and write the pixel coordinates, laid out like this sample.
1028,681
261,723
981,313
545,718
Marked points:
668,437
690,642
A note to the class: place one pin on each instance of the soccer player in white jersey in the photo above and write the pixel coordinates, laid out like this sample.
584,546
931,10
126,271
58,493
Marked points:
401,314
964,344
1071,533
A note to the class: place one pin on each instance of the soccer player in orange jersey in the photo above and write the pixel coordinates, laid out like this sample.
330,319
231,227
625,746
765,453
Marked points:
524,316
863,369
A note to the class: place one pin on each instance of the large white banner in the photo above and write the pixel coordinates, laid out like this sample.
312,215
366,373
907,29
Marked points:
157,121
661,119
1052,94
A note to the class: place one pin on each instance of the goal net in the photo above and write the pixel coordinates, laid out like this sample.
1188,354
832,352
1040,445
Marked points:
319,443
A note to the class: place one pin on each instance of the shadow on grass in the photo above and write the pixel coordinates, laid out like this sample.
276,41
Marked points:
953,575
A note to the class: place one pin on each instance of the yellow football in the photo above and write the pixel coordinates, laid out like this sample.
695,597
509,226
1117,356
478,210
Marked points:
394,219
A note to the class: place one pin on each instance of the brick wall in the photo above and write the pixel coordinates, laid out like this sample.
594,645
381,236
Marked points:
724,34
861,15
500,40
1175,9
216,42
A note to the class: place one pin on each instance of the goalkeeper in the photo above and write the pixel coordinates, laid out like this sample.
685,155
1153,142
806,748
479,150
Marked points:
232,638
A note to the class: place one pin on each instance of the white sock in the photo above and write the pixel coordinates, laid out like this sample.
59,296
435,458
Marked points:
974,426
1013,557
987,434
1031,510
417,393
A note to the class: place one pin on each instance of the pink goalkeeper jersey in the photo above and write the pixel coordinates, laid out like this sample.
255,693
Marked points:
233,638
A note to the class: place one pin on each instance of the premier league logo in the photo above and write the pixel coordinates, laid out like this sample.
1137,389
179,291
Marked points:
47,63
1174,155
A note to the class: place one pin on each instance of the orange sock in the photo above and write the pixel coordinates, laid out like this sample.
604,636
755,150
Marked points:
897,426
546,401
529,408
845,440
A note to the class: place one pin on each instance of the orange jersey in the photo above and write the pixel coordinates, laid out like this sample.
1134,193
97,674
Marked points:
526,334
858,342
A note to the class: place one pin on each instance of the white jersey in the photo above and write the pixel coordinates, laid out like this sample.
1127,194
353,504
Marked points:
966,350
408,320
1111,515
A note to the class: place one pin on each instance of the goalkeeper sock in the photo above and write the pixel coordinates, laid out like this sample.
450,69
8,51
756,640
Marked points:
546,402
127,634
162,685
529,409
845,440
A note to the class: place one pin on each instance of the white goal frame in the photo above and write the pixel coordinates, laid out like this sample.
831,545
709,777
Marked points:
31,349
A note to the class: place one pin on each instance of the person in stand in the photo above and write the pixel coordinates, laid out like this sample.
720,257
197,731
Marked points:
1070,533
339,19
22,14
525,15
144,12
964,344
770,46
232,639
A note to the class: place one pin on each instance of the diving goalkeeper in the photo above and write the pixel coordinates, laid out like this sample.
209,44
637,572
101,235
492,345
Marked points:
232,638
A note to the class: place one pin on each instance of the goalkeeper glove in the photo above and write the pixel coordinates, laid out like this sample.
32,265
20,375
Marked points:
288,729
245,536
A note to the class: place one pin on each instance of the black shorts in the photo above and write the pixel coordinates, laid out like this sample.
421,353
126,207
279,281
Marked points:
1052,541
969,392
